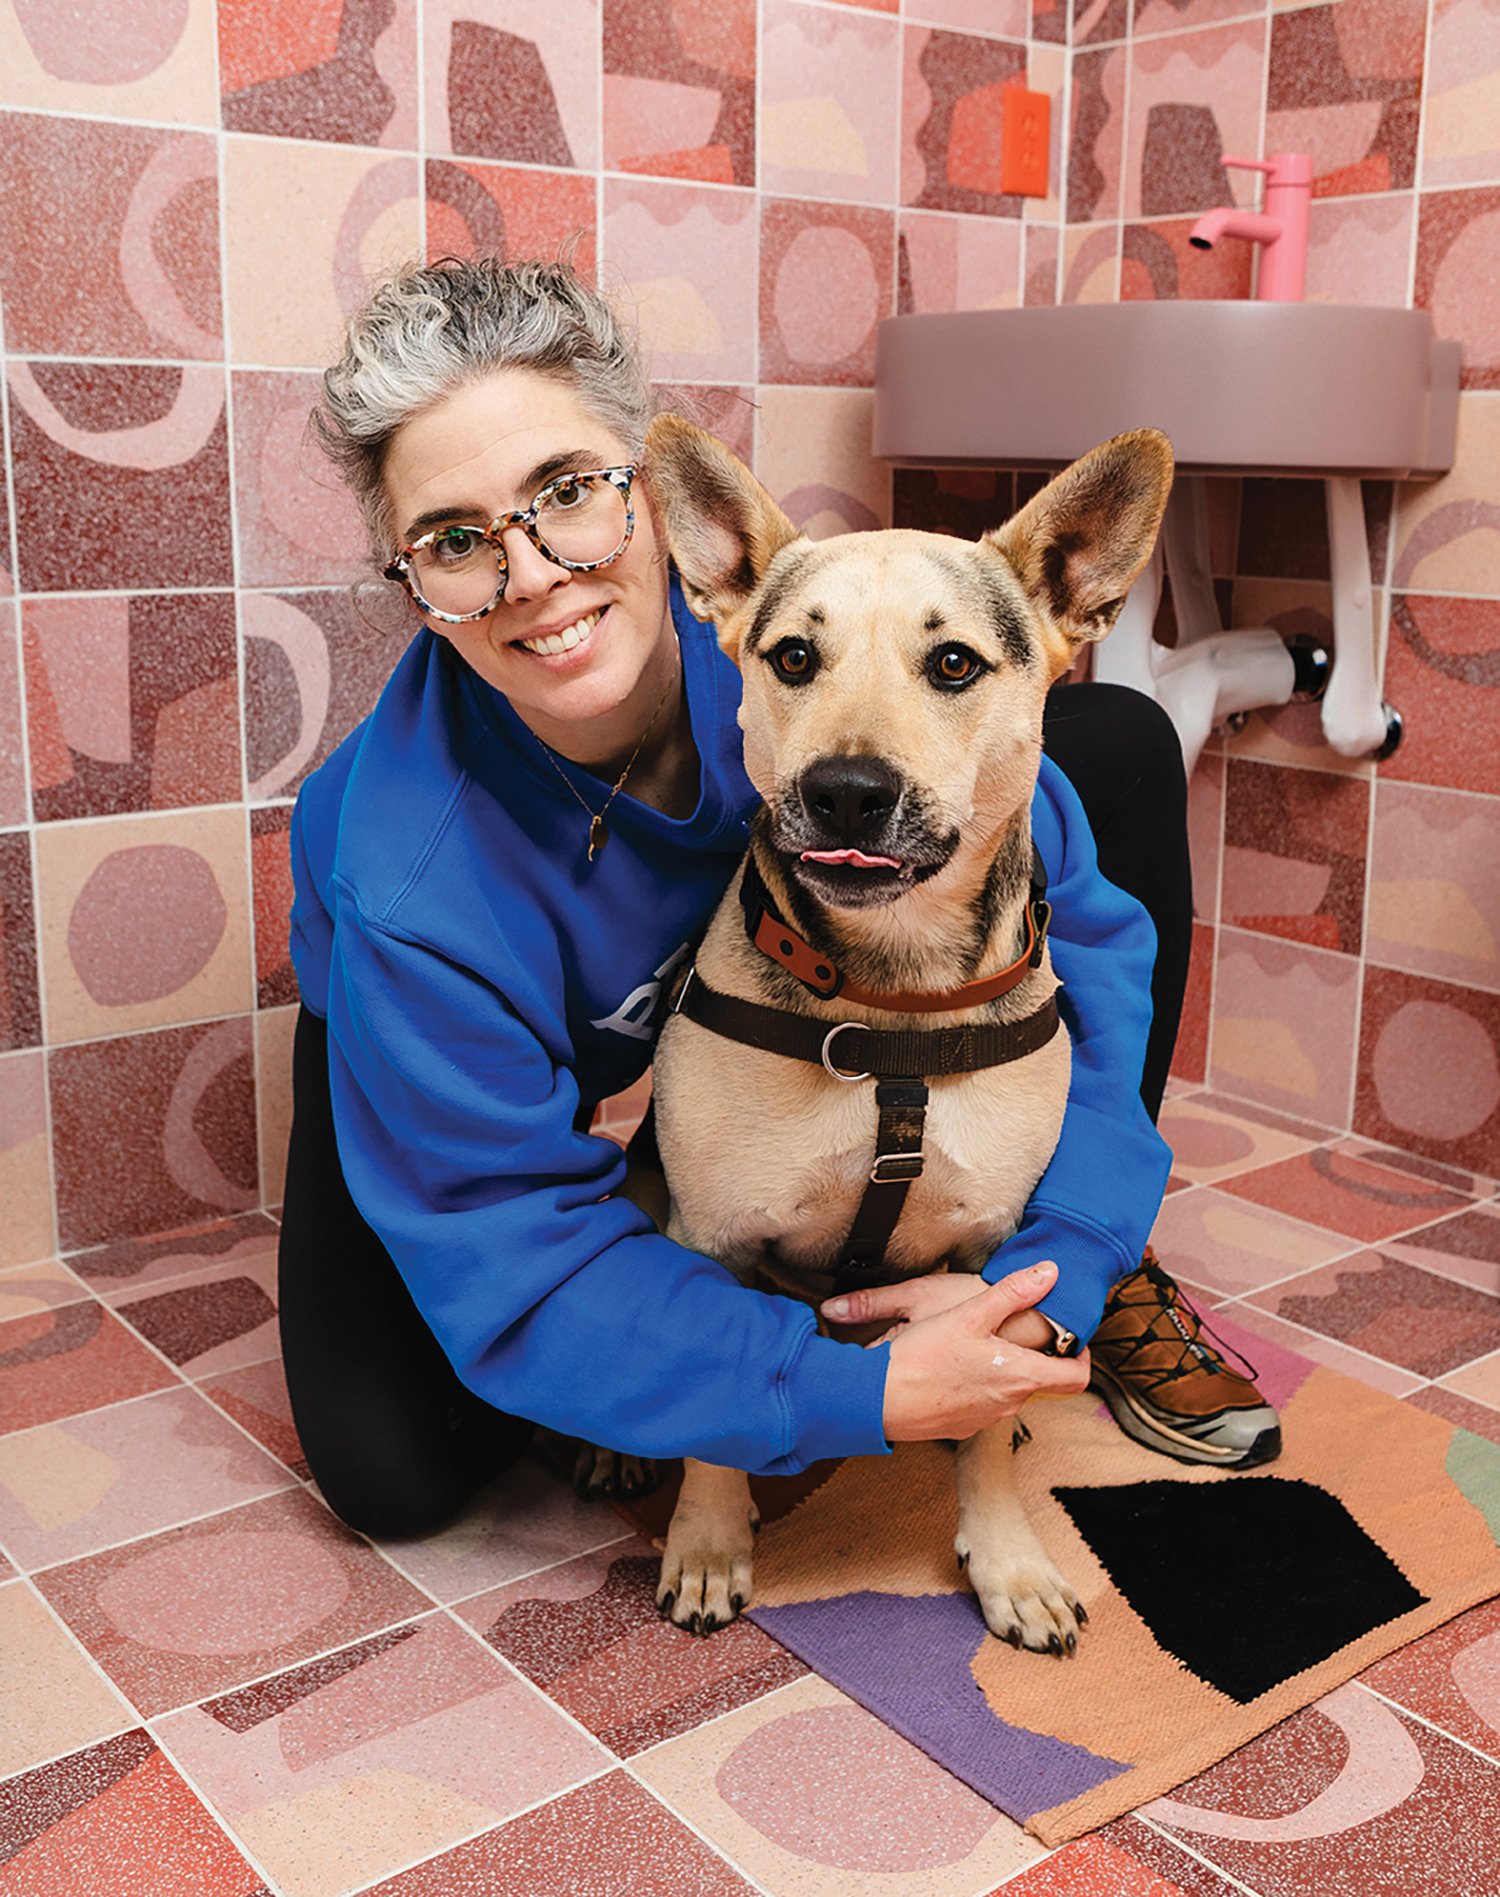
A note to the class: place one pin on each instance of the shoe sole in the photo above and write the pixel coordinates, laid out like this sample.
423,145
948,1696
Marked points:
1142,1426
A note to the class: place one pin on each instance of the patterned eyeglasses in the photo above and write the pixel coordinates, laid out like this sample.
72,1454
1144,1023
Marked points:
578,521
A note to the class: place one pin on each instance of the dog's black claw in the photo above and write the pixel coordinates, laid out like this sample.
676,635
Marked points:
1054,1646
1080,1614
1071,1644
1019,1434
1013,1639
737,1602
963,1562
665,1605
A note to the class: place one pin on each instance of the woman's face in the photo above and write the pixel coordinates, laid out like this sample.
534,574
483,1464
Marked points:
485,451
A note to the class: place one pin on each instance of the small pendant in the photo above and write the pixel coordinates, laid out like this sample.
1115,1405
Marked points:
598,837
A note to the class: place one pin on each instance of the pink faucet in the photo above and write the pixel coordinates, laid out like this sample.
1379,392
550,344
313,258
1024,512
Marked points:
1281,228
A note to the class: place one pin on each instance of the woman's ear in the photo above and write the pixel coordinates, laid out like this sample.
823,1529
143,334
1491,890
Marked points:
721,526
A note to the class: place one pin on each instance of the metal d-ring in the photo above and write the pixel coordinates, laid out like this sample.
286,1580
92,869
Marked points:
838,1073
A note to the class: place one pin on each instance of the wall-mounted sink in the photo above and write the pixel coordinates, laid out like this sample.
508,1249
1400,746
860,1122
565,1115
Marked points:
1240,388
1290,389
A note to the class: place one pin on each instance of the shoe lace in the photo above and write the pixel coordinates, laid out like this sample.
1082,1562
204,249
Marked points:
1178,1323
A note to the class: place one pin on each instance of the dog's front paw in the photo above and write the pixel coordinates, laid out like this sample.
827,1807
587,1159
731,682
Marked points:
1025,1601
706,1573
606,1475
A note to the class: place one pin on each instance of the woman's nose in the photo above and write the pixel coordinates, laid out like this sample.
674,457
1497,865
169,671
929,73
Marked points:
528,572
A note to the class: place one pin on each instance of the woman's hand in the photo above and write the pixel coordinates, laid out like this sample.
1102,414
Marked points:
955,1367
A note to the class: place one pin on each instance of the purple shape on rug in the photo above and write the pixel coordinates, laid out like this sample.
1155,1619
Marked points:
906,1658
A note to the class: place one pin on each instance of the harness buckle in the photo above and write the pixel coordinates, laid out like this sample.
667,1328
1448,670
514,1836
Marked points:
892,1169
828,1040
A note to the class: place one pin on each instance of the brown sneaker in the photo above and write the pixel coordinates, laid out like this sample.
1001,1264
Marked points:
1167,1384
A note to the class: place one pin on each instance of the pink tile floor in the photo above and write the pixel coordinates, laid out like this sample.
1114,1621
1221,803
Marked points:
215,1690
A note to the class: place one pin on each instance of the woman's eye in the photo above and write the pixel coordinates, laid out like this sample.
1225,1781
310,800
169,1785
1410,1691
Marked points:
952,667
794,660
456,544
570,494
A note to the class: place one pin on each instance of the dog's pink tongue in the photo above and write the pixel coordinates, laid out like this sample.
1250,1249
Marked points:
853,859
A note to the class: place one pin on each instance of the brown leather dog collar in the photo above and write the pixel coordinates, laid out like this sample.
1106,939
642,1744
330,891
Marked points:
823,977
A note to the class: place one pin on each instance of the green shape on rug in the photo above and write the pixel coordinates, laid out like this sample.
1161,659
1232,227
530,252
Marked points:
1473,1465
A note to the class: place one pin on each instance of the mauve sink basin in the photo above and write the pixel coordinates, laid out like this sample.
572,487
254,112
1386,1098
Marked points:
1310,389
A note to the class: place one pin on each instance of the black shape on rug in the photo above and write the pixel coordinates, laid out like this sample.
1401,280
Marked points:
1246,1582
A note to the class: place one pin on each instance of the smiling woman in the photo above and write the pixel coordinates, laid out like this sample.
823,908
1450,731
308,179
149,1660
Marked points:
459,1258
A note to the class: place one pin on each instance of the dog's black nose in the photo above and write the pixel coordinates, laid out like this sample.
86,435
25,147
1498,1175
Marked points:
850,797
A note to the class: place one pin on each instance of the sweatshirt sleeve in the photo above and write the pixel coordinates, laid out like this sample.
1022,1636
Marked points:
1095,1205
555,1299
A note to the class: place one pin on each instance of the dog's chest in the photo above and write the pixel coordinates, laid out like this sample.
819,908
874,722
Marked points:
762,1151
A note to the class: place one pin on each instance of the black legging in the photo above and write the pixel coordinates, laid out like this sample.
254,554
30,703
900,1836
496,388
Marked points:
395,1441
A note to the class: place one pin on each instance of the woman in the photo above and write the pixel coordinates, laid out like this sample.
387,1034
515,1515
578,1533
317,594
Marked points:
496,874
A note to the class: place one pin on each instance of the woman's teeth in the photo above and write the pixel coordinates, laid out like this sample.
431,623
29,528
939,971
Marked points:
556,643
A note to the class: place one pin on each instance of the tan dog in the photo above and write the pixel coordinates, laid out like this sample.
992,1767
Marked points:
893,692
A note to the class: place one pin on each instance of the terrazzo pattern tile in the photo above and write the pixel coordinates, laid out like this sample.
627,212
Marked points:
588,1634
687,255
1217,1242
605,1838
119,1816
808,1793
1316,1348
1286,1814
132,703
1442,663
26,1290
1346,87
313,669
1284,1025
338,1772
89,1482
526,212
109,239
525,1522
202,1609
1392,1310
1428,1078
346,74
140,451
679,90
144,921
256,1399
55,1700
1209,1145
26,1231
220,1318
1294,854
1346,1188
828,90
153,1132
78,1357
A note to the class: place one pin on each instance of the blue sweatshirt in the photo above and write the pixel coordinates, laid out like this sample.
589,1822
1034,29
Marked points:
485,987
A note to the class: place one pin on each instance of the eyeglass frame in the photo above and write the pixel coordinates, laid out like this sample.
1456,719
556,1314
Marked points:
526,519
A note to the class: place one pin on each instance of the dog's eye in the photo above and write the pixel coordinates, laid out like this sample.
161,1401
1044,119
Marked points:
951,668
794,661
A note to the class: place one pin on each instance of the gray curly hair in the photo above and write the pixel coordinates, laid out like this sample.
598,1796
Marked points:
432,330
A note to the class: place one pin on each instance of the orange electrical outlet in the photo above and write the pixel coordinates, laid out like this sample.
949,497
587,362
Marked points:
1023,142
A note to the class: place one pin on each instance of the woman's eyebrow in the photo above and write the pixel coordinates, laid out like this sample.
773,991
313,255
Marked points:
568,461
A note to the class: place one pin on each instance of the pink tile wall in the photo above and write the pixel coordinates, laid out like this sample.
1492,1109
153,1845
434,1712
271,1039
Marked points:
189,201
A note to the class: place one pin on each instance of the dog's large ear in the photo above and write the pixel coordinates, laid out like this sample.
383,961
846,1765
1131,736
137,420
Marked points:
722,527
1078,546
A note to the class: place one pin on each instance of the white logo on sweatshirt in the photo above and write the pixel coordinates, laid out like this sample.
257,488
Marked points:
636,1014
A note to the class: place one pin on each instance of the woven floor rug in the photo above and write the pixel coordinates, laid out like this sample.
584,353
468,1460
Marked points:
1218,1604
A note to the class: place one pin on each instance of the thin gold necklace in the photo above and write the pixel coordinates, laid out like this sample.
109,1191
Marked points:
598,829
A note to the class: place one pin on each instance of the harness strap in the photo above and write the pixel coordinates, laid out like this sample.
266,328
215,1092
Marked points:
849,1050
